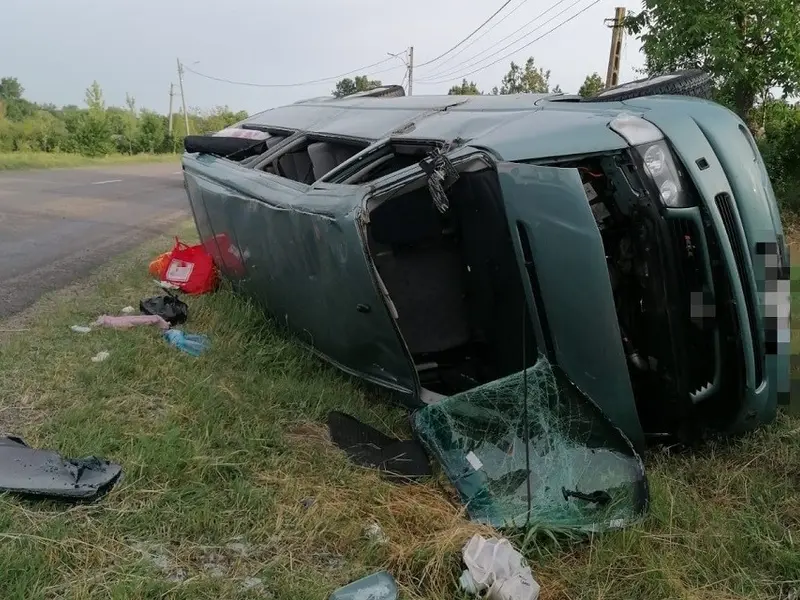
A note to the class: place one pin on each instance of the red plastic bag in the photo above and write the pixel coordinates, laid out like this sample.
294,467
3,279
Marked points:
191,268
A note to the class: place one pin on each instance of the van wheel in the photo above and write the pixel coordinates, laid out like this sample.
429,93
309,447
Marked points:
695,83
385,91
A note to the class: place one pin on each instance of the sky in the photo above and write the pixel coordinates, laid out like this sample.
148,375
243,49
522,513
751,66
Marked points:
56,48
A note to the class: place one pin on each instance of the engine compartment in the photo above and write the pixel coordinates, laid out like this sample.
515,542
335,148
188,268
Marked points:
638,257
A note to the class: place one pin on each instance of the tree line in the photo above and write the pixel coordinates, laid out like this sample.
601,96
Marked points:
96,129
750,48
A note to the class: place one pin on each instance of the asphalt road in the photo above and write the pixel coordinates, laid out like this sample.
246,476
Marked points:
57,225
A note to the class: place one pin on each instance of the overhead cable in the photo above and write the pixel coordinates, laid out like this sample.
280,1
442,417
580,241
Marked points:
301,83
481,26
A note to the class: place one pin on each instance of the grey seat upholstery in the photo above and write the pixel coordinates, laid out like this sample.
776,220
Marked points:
423,272
326,156
427,288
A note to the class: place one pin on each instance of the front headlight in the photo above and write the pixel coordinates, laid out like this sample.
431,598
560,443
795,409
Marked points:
661,168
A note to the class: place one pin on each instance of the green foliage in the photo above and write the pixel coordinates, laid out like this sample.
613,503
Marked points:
465,89
748,45
96,130
591,85
780,148
361,83
527,80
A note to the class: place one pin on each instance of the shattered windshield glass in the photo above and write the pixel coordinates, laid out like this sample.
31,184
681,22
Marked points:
530,450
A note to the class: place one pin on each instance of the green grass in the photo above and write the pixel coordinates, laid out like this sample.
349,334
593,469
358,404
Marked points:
222,454
55,160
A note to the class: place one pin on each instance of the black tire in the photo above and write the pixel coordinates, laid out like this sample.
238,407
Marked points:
385,91
694,83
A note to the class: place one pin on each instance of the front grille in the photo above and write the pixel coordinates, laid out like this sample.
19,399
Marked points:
698,314
730,220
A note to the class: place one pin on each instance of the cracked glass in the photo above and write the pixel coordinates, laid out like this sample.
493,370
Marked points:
530,450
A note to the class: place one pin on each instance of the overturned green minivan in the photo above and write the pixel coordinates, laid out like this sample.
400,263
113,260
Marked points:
435,244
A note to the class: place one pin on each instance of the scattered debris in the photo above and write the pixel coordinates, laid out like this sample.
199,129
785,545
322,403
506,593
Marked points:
191,268
101,356
81,329
308,502
190,343
375,534
167,285
128,310
159,265
497,571
215,565
252,583
170,308
46,474
238,547
399,460
378,586
128,321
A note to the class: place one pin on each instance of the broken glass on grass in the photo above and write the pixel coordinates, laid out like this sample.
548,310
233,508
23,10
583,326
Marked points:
531,451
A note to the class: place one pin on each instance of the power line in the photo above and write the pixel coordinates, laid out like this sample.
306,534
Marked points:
481,26
471,62
299,83
575,16
495,24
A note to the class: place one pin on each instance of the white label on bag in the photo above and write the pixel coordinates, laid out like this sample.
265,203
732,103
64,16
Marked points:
179,271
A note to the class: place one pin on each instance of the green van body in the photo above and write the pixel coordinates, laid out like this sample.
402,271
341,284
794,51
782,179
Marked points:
304,253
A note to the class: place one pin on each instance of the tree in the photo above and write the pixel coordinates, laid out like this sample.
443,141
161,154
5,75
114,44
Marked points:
16,107
591,85
465,89
152,132
748,46
527,80
10,89
348,86
93,136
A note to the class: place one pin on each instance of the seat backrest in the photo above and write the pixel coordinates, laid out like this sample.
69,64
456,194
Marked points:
326,156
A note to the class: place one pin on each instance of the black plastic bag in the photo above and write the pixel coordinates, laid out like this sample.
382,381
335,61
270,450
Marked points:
170,308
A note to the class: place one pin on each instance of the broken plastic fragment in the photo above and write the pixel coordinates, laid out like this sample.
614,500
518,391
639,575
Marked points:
80,329
494,566
43,473
378,586
101,356
128,310
400,461
564,467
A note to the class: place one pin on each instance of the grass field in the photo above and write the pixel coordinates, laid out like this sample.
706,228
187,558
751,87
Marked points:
232,490
47,160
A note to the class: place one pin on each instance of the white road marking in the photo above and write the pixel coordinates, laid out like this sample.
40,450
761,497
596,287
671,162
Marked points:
178,173
107,181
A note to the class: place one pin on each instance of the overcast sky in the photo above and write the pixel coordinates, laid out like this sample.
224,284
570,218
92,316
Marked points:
57,47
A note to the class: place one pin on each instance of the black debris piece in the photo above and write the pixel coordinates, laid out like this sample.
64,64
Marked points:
46,474
399,460
170,308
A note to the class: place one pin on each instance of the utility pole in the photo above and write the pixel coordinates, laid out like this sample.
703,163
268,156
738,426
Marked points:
171,94
617,34
183,95
411,70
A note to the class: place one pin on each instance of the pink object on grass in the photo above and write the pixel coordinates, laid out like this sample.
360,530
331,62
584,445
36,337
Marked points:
128,321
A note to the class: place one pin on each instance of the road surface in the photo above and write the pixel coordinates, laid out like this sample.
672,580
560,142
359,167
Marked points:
57,225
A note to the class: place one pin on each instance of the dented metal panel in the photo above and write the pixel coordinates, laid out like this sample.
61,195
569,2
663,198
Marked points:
569,289
306,264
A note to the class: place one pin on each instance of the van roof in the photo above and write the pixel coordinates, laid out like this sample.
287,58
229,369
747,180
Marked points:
514,127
